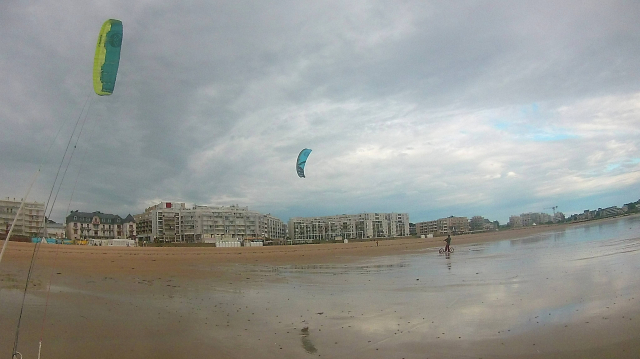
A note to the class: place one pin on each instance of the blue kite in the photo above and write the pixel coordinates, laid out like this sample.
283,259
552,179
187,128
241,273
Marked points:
301,161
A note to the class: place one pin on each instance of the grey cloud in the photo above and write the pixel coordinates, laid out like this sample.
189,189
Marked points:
402,103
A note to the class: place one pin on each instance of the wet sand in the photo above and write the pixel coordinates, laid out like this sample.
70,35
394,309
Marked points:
399,299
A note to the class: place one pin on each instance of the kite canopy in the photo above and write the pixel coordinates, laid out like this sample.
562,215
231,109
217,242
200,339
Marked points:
301,161
105,64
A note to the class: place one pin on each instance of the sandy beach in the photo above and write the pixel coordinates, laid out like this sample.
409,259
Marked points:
306,300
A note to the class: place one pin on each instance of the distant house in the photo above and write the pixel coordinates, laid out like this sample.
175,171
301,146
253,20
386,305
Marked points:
98,225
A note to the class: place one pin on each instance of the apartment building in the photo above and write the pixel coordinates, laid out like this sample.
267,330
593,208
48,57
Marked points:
428,227
515,221
348,226
479,223
530,219
235,221
160,223
609,211
56,230
412,229
457,225
173,222
98,225
448,225
558,217
28,223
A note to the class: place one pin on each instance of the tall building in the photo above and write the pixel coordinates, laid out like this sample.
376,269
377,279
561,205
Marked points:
515,221
173,222
558,217
609,211
448,225
98,225
428,227
160,223
479,223
457,225
348,226
476,223
29,222
530,219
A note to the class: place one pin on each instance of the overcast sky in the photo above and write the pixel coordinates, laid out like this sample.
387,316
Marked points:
439,108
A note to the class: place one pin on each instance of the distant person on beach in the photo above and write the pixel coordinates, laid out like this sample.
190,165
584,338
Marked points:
448,240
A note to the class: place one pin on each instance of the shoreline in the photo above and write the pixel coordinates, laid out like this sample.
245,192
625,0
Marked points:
109,260
268,255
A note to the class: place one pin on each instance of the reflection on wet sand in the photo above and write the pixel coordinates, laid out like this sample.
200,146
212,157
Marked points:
306,341
560,293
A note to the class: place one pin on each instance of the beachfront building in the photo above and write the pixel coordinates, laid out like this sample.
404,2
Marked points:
448,225
588,215
174,222
531,219
412,229
56,230
558,217
28,223
515,222
160,223
428,227
348,226
235,222
457,225
480,224
609,212
98,225
476,223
